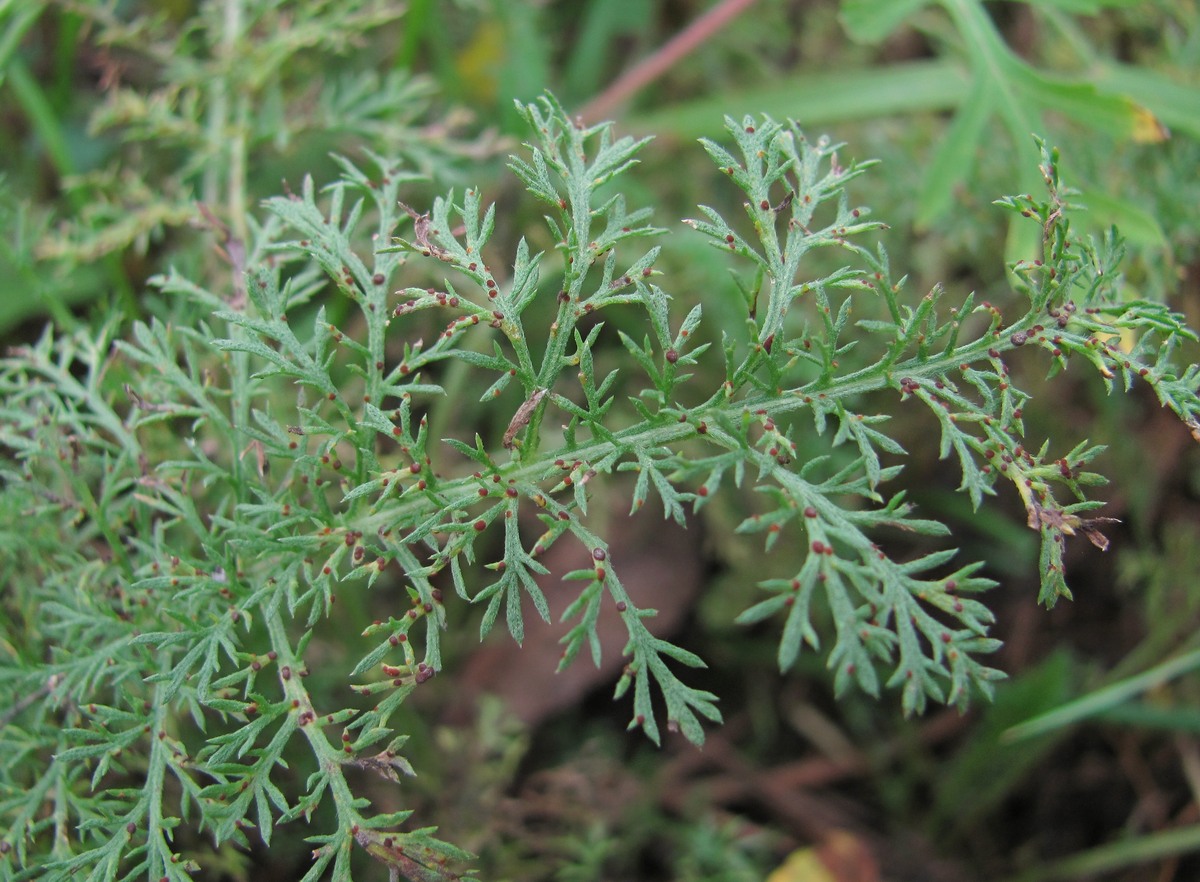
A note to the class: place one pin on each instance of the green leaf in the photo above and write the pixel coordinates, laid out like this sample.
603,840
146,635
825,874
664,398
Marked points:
1106,698
824,98
1175,104
869,21
956,154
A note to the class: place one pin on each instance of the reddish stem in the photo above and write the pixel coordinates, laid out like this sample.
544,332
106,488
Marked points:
649,69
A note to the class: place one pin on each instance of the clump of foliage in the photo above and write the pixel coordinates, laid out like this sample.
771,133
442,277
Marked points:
212,104
184,505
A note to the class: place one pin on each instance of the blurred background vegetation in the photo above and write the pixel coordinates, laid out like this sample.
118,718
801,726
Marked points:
138,133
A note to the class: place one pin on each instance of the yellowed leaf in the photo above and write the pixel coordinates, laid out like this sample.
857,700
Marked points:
480,58
840,857
1147,129
802,865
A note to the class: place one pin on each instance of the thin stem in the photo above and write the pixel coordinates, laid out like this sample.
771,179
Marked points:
156,764
460,493
329,759
236,185
1118,855
226,127
650,69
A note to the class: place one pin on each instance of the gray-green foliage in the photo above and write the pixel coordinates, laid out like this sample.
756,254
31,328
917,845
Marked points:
184,504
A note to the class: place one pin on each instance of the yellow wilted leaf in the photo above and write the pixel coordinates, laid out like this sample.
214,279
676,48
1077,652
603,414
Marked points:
1147,129
480,58
802,865
841,857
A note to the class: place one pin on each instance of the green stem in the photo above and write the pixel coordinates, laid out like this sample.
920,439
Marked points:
235,186
15,29
62,811
155,774
461,493
329,759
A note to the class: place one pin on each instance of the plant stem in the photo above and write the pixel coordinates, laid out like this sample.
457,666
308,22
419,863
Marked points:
650,69
460,493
